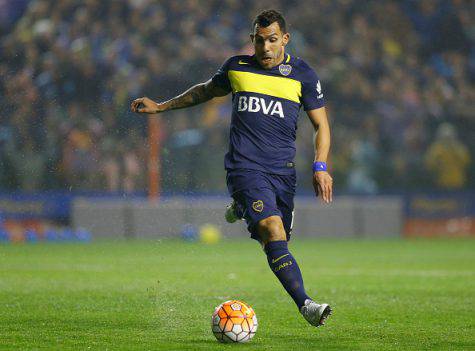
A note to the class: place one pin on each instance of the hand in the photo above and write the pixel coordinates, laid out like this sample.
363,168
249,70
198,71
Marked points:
144,105
323,184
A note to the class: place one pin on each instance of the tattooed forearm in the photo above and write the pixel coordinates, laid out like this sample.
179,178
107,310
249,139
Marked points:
195,95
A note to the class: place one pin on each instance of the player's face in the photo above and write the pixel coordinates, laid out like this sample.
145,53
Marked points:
269,43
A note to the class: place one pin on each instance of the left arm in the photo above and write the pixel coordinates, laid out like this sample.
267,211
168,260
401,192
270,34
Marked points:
322,181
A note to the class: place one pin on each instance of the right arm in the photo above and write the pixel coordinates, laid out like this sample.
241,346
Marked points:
197,94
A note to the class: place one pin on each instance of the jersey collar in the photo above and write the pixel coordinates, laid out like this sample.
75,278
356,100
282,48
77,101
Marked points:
286,61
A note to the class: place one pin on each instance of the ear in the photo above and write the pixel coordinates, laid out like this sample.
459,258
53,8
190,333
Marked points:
285,39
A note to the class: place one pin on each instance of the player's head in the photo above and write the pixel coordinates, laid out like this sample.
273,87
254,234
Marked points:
269,36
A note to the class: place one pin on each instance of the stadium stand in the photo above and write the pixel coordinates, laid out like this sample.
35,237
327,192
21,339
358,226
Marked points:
393,73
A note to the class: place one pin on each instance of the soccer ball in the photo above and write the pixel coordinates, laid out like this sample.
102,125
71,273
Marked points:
234,321
210,234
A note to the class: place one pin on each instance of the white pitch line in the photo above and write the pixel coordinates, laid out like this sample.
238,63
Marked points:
397,272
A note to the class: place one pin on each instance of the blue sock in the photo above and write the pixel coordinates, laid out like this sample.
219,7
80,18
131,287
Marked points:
284,266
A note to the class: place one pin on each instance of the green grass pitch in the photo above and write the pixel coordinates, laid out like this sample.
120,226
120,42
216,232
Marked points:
159,295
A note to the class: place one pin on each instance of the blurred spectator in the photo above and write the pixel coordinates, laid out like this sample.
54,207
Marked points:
448,159
364,162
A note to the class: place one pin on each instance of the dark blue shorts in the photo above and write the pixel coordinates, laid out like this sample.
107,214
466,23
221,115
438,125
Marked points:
259,195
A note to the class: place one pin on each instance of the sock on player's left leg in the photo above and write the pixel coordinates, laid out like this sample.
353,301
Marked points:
284,266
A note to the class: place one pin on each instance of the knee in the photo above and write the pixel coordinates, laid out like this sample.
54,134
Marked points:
271,229
270,225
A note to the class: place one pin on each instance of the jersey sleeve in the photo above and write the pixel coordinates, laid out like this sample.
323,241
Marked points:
312,94
221,78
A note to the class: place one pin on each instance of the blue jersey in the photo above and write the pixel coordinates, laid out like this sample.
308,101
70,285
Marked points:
266,106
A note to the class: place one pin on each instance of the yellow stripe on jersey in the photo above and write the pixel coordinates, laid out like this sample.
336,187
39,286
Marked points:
288,58
281,87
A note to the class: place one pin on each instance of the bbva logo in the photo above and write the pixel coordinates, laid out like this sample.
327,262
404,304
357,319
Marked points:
255,104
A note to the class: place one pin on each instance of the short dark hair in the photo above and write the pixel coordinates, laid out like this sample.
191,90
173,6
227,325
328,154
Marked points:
267,17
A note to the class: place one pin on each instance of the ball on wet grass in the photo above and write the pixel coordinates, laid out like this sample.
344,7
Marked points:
210,234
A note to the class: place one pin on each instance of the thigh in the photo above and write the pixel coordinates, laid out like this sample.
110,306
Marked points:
255,205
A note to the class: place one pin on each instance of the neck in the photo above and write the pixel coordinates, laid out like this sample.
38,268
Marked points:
281,59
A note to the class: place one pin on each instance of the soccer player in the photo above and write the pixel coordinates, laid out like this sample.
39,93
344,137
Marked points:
268,89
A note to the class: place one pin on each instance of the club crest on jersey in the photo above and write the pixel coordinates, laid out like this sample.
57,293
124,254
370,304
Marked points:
258,206
255,104
285,69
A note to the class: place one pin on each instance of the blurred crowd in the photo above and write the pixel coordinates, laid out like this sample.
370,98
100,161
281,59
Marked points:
398,78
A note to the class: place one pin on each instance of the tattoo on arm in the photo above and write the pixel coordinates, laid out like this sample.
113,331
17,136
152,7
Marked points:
195,95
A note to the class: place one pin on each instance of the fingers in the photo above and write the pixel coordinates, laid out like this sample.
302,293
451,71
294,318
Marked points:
328,193
135,104
328,190
325,193
323,184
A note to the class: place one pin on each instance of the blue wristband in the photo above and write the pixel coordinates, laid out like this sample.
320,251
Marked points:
319,166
